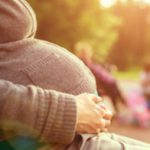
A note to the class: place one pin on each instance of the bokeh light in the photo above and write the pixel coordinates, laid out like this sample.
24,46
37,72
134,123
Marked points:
107,3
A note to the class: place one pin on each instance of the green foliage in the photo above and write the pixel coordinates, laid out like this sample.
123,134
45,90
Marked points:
129,75
119,35
68,22
133,44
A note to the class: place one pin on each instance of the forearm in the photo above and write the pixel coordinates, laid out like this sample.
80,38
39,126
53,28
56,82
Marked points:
49,114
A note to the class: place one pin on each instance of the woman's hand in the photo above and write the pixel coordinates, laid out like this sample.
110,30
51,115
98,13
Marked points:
92,115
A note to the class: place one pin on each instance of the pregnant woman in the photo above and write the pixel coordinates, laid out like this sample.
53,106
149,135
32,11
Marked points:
26,60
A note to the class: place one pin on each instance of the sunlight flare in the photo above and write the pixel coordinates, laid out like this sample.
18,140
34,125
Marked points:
107,3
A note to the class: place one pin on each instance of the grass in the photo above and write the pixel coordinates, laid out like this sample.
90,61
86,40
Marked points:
133,75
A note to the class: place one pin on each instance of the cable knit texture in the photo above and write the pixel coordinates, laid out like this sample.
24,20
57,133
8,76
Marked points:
48,114
26,60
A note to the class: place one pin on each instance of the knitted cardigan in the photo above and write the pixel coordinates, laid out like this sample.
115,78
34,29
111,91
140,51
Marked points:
32,111
26,60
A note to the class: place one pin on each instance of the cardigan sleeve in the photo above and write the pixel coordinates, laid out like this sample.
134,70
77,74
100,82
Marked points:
47,114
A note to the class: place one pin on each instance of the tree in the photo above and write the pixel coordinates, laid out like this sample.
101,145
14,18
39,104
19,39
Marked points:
68,22
132,44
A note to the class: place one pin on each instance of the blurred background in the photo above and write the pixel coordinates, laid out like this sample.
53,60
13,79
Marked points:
118,32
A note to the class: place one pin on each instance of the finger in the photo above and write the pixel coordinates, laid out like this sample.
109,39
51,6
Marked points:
108,115
104,130
107,123
96,99
101,111
98,130
102,123
103,105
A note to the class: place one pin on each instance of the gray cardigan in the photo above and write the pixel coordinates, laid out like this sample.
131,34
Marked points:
26,60
47,114
30,110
